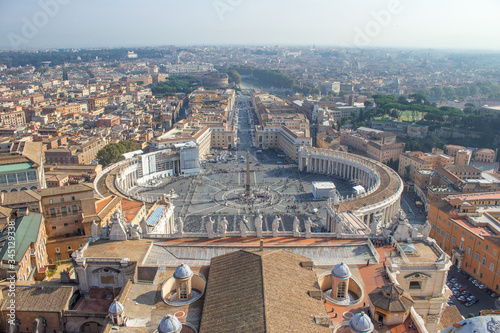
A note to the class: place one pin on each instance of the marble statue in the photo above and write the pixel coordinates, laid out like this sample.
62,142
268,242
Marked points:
94,229
427,229
296,224
243,227
180,225
223,226
308,225
210,227
276,226
258,225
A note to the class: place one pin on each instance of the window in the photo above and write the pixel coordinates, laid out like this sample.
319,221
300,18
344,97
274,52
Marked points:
74,208
53,228
69,247
415,285
478,242
52,211
472,238
454,240
480,275
73,198
442,232
447,235
487,247
62,199
456,228
183,290
63,210
469,250
494,252
484,261
11,178
341,290
476,256
492,267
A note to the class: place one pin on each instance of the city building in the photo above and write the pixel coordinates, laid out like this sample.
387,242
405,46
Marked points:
378,145
29,260
467,227
80,152
412,161
21,167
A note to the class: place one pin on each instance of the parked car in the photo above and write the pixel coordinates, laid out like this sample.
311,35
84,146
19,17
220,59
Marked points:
494,295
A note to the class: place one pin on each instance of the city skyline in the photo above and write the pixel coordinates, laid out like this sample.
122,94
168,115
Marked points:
375,24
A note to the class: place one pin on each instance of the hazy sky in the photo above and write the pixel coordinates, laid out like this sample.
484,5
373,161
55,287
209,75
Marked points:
456,24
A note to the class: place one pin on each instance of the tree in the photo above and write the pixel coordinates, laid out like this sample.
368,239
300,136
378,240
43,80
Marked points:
112,152
368,104
234,76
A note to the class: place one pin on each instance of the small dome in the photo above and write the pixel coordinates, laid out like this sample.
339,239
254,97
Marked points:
360,322
116,307
169,324
341,271
183,272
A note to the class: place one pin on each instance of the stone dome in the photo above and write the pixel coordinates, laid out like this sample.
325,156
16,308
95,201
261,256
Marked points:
169,324
341,271
183,272
361,323
116,307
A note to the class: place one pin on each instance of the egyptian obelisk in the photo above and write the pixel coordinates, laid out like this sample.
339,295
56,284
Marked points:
247,184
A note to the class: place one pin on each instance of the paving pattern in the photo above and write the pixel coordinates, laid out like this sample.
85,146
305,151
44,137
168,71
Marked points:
278,189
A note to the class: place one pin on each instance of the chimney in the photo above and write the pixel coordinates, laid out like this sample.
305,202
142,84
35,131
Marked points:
261,248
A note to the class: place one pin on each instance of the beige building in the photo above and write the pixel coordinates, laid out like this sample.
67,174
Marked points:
485,155
82,152
281,137
30,258
378,145
412,161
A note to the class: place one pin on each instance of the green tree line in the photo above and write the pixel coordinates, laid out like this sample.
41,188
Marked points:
112,152
479,89
175,84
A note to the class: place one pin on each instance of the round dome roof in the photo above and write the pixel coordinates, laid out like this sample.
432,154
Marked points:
183,272
360,322
116,307
341,271
169,324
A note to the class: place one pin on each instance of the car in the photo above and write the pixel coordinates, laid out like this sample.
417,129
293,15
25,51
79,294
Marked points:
482,286
462,289
494,295
470,298
469,304
450,303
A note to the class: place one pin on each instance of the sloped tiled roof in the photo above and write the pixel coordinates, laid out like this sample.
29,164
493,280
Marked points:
40,299
391,298
254,291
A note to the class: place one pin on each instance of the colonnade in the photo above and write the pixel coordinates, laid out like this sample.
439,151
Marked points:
366,214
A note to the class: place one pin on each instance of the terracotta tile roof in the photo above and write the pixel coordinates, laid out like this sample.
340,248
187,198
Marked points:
13,198
40,299
391,298
253,291
450,316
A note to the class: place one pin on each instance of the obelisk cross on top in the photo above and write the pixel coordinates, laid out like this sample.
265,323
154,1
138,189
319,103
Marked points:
247,184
